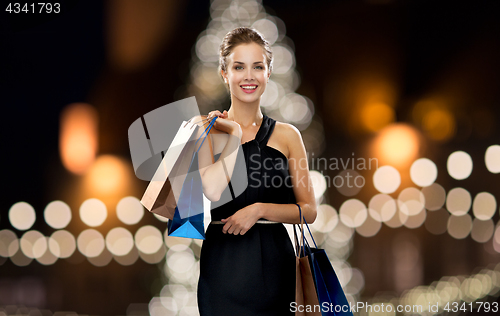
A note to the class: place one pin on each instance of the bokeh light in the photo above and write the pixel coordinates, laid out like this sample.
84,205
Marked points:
318,182
459,227
33,244
459,165
397,145
458,201
435,196
57,214
492,158
148,239
62,244
353,213
482,231
386,179
326,219
119,241
411,201
9,243
376,116
93,212
484,206
78,137
22,216
90,243
423,172
382,207
130,210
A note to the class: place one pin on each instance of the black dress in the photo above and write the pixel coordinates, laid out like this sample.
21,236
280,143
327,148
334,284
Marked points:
251,274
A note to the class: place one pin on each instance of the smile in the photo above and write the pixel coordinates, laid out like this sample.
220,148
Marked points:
249,88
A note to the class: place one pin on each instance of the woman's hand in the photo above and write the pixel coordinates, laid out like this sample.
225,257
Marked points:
223,124
241,221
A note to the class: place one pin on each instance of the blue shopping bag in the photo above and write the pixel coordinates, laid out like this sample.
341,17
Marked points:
331,296
188,220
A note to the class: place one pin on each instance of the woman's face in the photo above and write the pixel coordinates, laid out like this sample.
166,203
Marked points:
247,72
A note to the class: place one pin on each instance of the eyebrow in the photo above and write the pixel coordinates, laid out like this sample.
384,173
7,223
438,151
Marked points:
257,62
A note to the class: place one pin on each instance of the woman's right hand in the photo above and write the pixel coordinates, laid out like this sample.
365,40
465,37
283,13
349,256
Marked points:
223,124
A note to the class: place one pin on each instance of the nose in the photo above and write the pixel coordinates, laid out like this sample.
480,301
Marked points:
249,74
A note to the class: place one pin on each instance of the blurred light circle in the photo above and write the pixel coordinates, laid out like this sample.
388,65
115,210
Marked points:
271,94
369,228
33,244
397,220
356,283
326,219
482,230
178,243
57,214
411,201
484,206
128,259
62,244
154,257
435,196
415,221
7,237
47,258
496,240
459,227
386,179
459,165
437,221
119,241
180,261
93,212
375,116
268,29
148,239
318,182
349,182
102,259
90,243
423,172
207,48
19,258
160,218
353,213
22,216
382,207
130,210
492,158
341,234
458,201
294,108
283,59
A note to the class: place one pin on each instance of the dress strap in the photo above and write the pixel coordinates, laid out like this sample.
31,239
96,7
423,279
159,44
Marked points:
265,131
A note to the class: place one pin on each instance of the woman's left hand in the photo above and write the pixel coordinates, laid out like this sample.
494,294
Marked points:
241,221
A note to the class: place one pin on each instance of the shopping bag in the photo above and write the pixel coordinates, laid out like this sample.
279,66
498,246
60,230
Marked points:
163,191
306,299
328,288
188,220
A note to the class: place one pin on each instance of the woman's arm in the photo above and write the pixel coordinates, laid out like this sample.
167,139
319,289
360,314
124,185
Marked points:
241,221
213,175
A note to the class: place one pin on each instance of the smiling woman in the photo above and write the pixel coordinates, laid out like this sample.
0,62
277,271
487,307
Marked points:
247,268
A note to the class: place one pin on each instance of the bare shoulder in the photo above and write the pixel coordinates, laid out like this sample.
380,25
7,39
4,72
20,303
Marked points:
288,131
285,138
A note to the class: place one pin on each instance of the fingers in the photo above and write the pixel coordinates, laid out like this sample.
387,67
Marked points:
217,113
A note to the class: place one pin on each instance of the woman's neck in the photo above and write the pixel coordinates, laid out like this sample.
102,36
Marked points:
245,114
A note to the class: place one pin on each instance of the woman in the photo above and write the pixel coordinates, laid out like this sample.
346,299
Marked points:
247,261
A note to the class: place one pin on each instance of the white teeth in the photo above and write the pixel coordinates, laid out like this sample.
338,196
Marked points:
249,87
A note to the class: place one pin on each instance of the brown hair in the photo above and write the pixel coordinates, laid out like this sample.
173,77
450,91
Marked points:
243,35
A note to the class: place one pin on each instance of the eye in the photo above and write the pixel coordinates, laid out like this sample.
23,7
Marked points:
259,67
238,67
